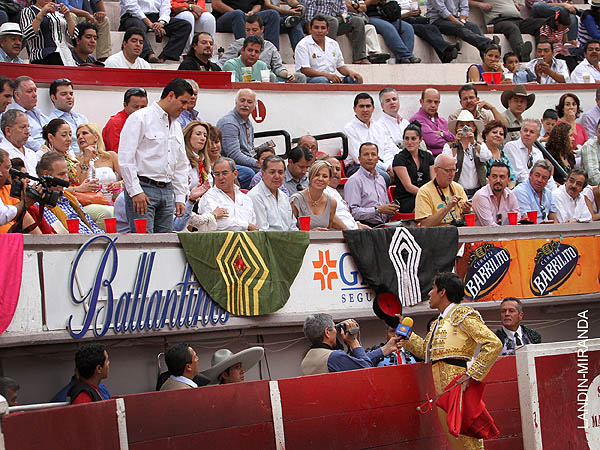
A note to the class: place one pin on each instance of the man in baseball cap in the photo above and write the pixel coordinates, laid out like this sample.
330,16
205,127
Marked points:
11,43
227,367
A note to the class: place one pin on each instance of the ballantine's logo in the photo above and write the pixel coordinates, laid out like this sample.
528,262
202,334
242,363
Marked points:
184,306
487,267
554,264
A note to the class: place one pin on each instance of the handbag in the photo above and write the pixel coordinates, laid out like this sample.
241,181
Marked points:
91,198
390,11
10,8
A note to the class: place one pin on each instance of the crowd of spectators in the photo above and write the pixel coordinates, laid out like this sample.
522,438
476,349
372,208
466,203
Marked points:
77,33
159,168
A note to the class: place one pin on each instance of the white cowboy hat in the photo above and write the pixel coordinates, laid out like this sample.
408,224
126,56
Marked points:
464,116
223,359
10,28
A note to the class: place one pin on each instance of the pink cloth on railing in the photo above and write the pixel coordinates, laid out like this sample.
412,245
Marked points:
11,271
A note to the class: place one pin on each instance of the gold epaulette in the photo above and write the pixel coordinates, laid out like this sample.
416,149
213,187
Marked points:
459,314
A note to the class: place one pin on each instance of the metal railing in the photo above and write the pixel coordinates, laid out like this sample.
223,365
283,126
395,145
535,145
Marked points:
326,136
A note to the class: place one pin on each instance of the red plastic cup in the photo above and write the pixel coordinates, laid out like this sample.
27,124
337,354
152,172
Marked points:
512,218
496,78
304,223
532,216
110,225
73,226
487,77
140,226
470,220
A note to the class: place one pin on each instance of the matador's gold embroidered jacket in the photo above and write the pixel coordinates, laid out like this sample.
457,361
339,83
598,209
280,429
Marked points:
457,336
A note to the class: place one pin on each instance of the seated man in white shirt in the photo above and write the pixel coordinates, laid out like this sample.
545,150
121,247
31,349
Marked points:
319,57
588,70
521,153
129,56
391,121
570,202
15,126
271,205
239,212
546,67
363,129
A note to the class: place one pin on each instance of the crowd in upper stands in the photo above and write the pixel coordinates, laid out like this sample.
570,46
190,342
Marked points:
159,168
77,33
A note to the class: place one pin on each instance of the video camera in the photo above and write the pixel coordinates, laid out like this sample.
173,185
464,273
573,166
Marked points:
342,326
46,197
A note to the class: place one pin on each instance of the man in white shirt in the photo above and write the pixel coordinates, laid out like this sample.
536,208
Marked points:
546,68
570,203
391,121
239,211
129,56
9,212
362,129
156,14
481,110
513,334
63,99
153,162
271,205
521,153
319,57
25,99
588,71
15,126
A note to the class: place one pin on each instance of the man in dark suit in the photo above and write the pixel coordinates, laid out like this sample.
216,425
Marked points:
513,334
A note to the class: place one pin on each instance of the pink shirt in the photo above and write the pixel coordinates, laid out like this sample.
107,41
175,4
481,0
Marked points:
486,207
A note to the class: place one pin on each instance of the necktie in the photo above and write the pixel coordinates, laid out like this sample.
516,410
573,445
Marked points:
517,340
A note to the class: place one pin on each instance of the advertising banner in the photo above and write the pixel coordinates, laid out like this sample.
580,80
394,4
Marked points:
530,268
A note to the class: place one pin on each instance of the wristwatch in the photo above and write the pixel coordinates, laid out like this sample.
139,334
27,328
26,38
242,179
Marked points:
189,7
162,21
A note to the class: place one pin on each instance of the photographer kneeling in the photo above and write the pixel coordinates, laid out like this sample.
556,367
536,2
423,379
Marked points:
9,212
323,357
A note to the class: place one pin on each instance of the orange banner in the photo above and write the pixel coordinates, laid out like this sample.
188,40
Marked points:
530,268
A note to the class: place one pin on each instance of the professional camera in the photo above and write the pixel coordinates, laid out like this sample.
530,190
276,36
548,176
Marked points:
342,326
46,197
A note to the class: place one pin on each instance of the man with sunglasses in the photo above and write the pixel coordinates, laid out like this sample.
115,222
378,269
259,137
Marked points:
570,203
134,99
441,201
300,159
534,195
521,153
493,202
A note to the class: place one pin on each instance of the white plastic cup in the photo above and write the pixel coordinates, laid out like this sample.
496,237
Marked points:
587,78
265,75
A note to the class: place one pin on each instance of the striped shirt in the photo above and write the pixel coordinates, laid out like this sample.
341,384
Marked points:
64,204
333,8
52,31
558,38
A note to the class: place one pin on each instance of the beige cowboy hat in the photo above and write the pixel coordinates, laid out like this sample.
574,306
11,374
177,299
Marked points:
223,359
521,92
464,116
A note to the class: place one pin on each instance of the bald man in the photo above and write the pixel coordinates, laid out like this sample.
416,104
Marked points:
441,201
435,128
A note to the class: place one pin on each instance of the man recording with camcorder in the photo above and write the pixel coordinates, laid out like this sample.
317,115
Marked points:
326,356
9,212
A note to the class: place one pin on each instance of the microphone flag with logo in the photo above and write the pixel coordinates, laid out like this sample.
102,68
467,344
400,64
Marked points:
399,263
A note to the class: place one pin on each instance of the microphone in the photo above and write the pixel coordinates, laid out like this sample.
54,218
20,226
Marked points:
404,329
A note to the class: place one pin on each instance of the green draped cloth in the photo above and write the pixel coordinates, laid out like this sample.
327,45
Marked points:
246,273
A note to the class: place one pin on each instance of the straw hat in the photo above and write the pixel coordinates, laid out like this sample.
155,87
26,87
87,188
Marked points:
520,91
10,28
464,116
223,359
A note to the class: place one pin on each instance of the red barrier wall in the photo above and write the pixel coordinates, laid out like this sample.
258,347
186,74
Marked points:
557,394
212,417
81,427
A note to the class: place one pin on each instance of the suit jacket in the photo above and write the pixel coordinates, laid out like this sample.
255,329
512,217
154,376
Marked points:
171,385
533,336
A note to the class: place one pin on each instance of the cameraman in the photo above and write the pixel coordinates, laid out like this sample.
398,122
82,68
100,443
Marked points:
9,212
323,357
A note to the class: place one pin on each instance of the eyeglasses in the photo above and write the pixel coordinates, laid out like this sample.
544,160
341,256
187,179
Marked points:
448,171
221,174
62,81
299,187
135,92
530,161
499,219
543,208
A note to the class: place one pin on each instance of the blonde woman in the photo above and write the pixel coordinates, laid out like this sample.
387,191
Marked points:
314,202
